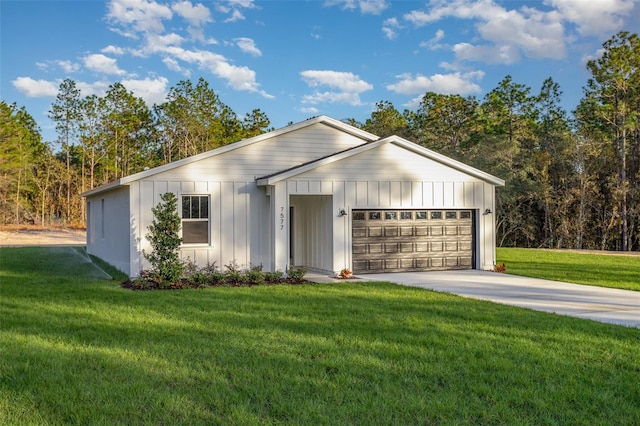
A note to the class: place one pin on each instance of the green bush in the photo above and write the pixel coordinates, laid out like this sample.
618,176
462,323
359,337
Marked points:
273,277
165,241
296,273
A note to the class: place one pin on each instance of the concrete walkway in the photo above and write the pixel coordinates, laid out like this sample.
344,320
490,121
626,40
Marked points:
596,303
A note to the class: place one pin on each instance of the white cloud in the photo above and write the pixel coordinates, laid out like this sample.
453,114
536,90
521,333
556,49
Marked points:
98,88
240,78
35,88
491,54
508,34
247,45
113,50
68,66
138,16
103,64
196,16
454,83
389,27
348,87
152,91
236,16
156,43
434,44
373,7
601,17
367,7
173,65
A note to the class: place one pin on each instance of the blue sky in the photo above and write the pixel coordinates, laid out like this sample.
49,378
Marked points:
298,59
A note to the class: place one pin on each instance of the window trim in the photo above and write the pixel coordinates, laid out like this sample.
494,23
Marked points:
207,220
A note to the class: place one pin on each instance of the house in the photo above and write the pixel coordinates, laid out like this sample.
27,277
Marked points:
320,194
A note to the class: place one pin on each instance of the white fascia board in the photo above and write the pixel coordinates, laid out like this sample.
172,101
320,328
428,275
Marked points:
235,145
102,188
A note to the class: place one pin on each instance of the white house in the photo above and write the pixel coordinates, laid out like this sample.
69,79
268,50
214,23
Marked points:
319,194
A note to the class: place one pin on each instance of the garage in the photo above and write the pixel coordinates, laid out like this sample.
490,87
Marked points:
412,240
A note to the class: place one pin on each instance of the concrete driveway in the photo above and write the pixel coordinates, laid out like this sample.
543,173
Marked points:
596,303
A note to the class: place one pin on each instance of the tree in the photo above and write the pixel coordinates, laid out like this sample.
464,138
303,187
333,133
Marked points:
385,121
165,241
64,112
194,120
445,123
20,144
614,91
126,126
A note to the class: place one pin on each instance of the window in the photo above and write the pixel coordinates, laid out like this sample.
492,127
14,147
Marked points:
358,215
451,215
436,215
421,215
195,219
405,215
465,215
374,216
390,215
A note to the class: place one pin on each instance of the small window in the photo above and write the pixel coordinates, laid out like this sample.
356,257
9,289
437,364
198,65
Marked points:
195,219
465,215
436,215
358,215
405,215
391,215
421,215
451,215
374,216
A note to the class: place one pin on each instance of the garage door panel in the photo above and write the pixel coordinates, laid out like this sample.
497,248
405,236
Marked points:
375,231
435,230
390,231
359,248
407,247
391,247
375,248
406,231
411,240
422,231
451,230
359,232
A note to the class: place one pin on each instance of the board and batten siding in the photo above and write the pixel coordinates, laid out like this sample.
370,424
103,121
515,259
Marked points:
395,178
240,228
238,221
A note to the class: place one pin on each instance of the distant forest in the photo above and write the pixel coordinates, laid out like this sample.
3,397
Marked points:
572,178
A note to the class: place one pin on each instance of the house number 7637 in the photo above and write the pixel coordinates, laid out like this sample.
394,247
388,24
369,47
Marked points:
281,218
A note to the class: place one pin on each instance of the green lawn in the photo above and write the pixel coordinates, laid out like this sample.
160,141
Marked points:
604,270
76,349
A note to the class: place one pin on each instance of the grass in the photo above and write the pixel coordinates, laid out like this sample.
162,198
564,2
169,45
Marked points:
604,270
81,350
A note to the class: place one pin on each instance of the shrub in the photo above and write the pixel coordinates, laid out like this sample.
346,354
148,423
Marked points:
254,276
273,277
233,274
296,274
165,241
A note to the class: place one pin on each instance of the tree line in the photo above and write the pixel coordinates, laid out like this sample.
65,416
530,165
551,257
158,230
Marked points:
572,179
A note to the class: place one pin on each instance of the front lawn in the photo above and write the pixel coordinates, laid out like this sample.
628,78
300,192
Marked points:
605,270
76,349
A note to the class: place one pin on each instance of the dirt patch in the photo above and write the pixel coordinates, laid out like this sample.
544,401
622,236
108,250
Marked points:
35,236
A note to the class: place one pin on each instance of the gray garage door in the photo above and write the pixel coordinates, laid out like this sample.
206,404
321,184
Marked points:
411,240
